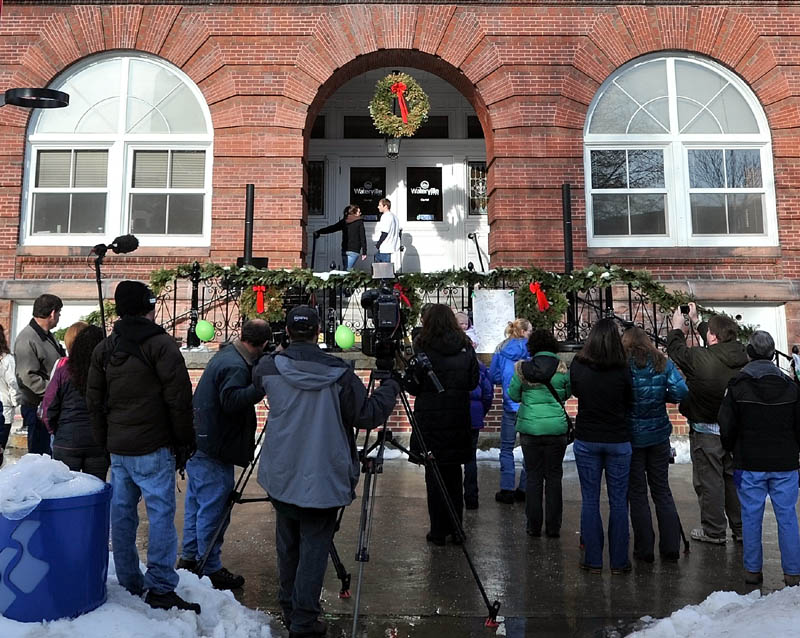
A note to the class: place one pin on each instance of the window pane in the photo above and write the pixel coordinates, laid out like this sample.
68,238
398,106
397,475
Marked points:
150,169
613,112
101,118
88,213
188,169
360,127
91,168
185,215
50,212
478,200
316,188
608,169
697,82
52,169
610,214
435,127
745,213
143,118
706,169
148,214
708,214
654,118
733,112
474,128
648,214
318,128
743,168
646,82
646,169
182,112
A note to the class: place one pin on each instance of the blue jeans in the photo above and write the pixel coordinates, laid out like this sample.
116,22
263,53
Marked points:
151,476
383,258
209,485
349,259
38,436
782,488
591,459
508,437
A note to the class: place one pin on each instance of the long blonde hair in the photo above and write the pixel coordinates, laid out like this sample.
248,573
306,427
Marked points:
518,329
72,332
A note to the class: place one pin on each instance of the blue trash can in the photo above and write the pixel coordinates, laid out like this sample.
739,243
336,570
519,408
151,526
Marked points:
54,562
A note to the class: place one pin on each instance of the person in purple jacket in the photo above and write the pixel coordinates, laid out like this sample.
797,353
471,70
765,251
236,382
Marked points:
480,402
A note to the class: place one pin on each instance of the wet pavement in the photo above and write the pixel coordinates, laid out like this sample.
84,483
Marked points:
413,589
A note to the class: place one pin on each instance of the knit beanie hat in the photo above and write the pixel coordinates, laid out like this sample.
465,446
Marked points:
133,298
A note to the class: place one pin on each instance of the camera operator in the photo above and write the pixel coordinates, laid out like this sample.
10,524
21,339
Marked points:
443,418
225,427
309,465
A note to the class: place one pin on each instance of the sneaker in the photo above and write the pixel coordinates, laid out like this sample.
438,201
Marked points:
590,568
223,579
319,629
753,578
625,569
189,564
505,496
519,495
168,600
791,580
699,534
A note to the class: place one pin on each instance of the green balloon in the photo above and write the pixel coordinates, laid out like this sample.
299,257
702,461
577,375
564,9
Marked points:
204,330
344,337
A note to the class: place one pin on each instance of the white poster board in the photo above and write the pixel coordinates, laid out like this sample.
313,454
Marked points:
491,312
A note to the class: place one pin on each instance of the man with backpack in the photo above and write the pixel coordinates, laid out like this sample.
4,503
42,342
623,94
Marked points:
139,398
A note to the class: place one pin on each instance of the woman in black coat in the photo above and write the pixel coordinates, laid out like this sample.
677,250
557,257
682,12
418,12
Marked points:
354,237
67,417
443,418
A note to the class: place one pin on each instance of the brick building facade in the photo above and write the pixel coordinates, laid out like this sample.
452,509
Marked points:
530,70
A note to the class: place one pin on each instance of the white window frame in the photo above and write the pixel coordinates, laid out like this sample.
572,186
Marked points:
676,178
120,147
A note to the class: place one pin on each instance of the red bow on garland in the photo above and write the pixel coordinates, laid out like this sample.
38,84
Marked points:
401,292
398,88
541,299
259,290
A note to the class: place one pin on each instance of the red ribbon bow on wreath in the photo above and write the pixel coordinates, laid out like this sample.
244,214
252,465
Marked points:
398,88
541,299
259,290
401,292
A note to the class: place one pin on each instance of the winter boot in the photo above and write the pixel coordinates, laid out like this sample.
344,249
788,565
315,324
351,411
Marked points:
223,579
505,496
189,564
791,580
519,495
753,578
319,629
168,600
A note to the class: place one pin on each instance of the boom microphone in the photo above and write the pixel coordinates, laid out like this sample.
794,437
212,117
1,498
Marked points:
124,244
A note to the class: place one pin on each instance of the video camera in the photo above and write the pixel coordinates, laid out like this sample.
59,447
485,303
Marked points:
382,306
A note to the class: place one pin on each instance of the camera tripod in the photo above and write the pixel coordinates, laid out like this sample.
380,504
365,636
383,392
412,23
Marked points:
373,465
235,498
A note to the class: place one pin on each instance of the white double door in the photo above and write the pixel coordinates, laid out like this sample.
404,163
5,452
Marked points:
429,197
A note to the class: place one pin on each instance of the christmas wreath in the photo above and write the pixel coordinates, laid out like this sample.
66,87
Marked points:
412,101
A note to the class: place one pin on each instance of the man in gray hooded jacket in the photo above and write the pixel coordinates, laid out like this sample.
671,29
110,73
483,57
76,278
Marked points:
309,464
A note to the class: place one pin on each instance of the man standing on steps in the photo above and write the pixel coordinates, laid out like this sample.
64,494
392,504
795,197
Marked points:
386,234
139,398
708,371
35,353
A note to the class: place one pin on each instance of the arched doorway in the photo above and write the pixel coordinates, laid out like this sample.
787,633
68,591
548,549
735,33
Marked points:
437,184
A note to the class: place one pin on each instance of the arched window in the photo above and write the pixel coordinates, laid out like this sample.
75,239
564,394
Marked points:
677,152
130,154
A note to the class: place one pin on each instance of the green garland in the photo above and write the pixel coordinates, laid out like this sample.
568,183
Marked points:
382,111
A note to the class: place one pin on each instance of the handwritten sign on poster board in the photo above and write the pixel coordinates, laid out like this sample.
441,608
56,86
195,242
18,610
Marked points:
491,312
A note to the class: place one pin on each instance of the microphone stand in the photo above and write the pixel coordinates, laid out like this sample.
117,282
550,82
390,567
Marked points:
100,251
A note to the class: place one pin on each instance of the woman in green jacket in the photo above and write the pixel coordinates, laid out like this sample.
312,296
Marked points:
542,425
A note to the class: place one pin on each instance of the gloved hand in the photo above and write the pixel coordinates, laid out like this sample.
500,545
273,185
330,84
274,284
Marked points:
182,455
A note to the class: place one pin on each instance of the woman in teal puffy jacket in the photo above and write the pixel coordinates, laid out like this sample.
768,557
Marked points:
542,425
656,382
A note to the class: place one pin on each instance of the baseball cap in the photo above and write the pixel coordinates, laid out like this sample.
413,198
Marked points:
302,316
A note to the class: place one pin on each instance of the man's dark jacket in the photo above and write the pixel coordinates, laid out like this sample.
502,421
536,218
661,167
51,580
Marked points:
224,410
707,371
444,418
759,420
142,399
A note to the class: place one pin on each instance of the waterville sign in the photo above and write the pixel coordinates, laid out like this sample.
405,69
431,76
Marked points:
424,199
367,188
424,188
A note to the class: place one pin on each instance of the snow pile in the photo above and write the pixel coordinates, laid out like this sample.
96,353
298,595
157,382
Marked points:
34,477
732,615
127,616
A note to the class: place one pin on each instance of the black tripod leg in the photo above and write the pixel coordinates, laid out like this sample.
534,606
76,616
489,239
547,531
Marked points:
341,573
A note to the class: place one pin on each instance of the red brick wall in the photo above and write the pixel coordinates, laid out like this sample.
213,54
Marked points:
529,69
